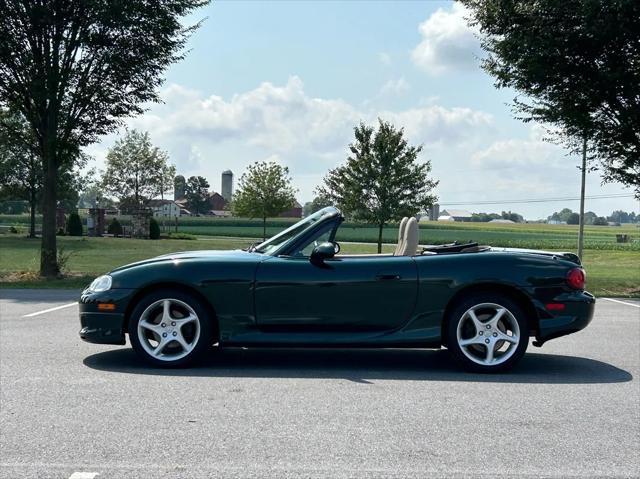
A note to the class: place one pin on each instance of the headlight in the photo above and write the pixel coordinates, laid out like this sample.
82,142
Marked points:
101,283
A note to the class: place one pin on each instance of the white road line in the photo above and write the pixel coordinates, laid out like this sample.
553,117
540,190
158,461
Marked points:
621,302
83,475
49,310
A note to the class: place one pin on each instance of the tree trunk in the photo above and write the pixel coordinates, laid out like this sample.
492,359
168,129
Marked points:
48,253
32,221
264,228
380,226
582,188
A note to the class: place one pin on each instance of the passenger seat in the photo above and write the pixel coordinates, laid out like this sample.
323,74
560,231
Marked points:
401,236
410,244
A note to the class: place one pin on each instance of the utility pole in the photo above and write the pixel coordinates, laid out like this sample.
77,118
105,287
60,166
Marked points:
584,175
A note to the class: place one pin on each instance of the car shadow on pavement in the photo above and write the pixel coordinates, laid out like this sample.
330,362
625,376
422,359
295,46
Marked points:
365,366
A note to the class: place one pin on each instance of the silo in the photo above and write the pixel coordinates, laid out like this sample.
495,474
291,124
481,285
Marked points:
434,212
227,185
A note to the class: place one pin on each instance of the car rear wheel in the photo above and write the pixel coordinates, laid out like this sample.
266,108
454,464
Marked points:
487,333
170,328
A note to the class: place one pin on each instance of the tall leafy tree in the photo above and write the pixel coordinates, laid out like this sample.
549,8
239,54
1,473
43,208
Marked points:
264,191
381,180
196,191
75,68
20,172
576,66
135,170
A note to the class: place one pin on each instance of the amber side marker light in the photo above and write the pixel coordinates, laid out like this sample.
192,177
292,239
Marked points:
106,306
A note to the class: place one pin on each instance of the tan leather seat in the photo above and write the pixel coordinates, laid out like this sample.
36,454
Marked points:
410,244
401,236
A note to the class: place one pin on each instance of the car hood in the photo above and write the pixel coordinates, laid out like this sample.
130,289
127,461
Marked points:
240,255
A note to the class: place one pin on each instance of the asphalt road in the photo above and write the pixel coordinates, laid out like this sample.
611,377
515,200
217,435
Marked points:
70,409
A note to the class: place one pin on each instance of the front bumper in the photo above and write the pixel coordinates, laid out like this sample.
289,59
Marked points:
578,313
102,327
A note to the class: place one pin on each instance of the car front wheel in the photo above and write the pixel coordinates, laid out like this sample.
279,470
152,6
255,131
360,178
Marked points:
169,328
487,333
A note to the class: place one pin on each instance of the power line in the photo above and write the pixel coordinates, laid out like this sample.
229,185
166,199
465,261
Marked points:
536,200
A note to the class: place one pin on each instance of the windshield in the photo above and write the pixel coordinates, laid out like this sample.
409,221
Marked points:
273,244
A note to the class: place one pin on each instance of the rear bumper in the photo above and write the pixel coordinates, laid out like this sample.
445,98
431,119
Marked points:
578,313
104,327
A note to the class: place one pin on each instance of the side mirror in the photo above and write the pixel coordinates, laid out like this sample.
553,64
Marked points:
323,251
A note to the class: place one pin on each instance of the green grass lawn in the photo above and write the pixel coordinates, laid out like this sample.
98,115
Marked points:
609,272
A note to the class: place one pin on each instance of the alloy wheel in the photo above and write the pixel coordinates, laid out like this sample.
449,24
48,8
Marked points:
488,334
169,329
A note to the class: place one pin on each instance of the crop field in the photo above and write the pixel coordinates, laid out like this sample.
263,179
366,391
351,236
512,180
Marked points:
528,235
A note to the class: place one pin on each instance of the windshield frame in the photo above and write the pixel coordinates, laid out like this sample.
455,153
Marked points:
301,228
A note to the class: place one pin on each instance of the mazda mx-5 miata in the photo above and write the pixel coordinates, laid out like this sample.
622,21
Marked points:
296,289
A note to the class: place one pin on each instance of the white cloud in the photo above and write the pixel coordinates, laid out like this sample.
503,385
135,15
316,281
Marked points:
521,153
205,135
447,42
395,87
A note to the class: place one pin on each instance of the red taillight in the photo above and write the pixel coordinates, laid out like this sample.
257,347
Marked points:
576,278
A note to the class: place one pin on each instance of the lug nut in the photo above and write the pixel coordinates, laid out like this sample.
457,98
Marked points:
163,325
495,335
481,333
488,326
175,333
173,323
486,341
164,335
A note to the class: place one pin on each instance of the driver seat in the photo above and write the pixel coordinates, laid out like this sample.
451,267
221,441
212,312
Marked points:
401,236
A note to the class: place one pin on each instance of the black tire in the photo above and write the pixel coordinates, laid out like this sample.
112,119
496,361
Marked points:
201,335
483,303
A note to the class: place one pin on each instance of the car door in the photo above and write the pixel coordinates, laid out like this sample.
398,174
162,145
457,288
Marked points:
345,293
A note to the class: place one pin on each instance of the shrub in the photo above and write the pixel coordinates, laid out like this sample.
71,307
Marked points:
74,225
114,228
154,229
60,232
182,236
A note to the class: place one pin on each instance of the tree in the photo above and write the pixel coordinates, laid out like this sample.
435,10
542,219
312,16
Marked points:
573,219
318,203
136,170
196,191
562,215
600,221
74,225
114,228
20,174
264,191
381,180
509,215
575,63
74,69
94,196
154,229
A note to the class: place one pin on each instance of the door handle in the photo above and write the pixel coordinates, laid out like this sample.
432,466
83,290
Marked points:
387,277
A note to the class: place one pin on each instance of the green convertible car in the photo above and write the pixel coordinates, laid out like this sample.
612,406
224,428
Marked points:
296,289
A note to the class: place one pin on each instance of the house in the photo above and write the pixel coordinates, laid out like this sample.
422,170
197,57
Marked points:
456,215
295,212
164,208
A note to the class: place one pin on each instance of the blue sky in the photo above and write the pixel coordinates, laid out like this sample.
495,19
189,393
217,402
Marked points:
287,81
